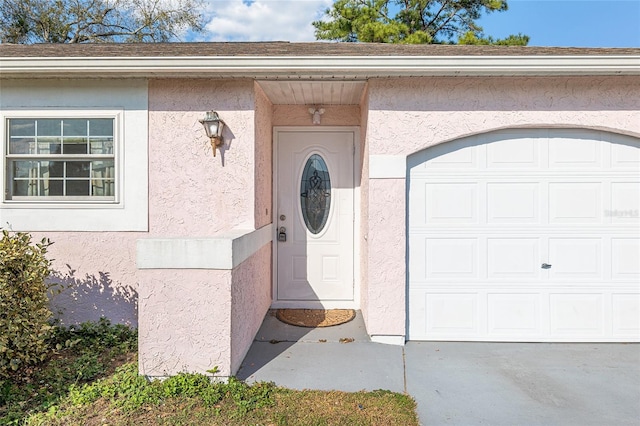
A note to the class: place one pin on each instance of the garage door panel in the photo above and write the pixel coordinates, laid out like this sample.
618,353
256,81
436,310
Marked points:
513,258
575,202
417,258
625,259
452,314
513,315
625,202
451,203
451,257
484,215
455,157
626,314
575,259
513,202
513,153
575,153
418,313
576,314
625,153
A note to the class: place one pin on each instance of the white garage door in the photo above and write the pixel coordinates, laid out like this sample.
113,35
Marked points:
527,235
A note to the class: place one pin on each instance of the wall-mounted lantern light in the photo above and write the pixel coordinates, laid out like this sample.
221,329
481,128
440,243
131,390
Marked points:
315,114
213,126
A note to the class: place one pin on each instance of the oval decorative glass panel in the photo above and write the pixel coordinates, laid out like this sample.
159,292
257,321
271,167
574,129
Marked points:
315,193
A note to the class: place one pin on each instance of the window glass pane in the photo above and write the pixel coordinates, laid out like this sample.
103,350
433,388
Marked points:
51,188
82,176
22,146
49,146
77,127
25,169
77,187
102,187
101,146
101,127
49,127
102,169
97,187
78,169
103,173
22,127
51,169
75,146
21,188
315,193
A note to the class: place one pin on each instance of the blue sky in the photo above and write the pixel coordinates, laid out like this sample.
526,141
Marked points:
574,23
577,23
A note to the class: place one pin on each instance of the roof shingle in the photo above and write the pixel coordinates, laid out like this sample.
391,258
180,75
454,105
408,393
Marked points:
283,49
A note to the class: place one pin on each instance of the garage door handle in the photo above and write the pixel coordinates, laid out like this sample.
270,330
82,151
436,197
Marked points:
546,266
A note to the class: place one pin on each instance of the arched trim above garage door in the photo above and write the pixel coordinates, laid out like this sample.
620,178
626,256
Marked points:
486,213
615,134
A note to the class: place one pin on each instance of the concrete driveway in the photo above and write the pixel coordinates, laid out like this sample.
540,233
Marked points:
458,383
524,384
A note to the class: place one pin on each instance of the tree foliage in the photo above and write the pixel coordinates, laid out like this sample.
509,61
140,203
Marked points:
82,21
411,22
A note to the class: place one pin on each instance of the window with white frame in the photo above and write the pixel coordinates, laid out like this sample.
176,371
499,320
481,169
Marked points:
61,159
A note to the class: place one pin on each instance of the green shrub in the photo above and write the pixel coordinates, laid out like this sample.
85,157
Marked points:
24,306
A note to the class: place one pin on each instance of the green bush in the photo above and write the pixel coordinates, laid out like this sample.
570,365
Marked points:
24,306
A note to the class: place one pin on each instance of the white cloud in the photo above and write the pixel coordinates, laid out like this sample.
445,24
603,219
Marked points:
262,20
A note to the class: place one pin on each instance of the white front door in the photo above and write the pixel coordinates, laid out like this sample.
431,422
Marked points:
314,217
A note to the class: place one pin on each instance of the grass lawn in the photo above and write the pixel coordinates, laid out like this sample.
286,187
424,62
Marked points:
91,379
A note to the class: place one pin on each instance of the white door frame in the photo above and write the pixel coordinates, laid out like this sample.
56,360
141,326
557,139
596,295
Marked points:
357,167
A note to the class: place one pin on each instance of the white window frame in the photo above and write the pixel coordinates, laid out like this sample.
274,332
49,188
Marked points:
128,100
129,211
63,201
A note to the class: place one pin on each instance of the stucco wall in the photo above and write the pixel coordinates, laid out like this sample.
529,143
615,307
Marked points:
363,234
198,195
263,155
408,115
250,300
99,274
191,192
417,113
185,321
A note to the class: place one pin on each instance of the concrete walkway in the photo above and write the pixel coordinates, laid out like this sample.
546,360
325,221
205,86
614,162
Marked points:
458,383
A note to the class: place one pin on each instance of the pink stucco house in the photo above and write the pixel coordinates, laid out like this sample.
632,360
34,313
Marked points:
449,192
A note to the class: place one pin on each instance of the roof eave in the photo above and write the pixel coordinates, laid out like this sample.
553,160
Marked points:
343,67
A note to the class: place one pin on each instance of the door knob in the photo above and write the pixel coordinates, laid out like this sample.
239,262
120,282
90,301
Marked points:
282,234
546,266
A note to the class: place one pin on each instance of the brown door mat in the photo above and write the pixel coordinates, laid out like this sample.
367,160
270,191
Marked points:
315,317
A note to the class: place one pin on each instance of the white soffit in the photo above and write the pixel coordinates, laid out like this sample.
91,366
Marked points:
313,67
301,92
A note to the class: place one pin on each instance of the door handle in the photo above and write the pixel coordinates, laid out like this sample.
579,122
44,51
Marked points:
546,266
